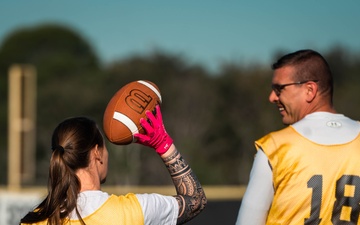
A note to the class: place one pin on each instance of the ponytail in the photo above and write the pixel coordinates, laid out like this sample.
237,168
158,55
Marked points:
71,144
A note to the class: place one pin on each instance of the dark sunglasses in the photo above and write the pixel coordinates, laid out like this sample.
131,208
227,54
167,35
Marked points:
277,88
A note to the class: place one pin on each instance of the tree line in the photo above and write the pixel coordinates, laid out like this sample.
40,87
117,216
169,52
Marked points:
213,118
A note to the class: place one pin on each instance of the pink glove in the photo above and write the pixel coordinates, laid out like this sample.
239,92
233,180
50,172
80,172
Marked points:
155,134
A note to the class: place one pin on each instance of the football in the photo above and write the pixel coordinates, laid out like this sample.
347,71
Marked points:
122,114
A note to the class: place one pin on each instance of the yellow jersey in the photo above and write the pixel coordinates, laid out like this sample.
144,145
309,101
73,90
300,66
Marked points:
313,183
119,210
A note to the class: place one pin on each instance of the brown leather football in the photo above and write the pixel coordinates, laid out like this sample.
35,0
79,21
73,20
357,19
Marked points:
124,110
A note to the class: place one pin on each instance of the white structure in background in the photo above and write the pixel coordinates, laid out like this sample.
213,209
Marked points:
15,205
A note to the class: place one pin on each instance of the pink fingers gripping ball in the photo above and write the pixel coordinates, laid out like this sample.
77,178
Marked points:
122,115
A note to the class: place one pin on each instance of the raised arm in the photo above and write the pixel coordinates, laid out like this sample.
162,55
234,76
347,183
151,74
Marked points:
190,195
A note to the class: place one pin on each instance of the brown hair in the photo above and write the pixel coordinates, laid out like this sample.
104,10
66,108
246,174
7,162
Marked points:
310,65
71,143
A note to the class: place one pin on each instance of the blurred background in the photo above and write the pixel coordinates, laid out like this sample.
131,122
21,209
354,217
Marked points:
210,59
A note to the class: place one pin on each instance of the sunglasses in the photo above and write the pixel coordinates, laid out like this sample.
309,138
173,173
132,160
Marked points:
277,88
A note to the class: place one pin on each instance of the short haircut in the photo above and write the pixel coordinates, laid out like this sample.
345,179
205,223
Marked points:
309,65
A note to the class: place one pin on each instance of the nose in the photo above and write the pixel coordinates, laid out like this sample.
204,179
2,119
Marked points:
273,97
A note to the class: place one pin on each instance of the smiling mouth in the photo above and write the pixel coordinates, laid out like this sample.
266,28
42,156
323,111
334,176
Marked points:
281,108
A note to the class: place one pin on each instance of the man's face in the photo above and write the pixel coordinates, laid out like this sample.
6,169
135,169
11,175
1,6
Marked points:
290,98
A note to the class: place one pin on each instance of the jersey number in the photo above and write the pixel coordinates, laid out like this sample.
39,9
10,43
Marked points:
347,195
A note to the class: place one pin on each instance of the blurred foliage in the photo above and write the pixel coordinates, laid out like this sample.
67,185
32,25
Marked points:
213,118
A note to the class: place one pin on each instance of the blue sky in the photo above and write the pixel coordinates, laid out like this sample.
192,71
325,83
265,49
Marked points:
207,32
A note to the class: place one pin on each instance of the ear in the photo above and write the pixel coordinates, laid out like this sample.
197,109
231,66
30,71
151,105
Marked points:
97,153
311,90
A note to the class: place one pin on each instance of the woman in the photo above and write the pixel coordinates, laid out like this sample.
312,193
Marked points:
78,167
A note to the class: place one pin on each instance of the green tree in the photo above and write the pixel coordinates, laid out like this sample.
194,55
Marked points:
214,119
67,68
345,66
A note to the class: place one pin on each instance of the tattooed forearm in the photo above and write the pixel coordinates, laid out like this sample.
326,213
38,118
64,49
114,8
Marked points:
190,195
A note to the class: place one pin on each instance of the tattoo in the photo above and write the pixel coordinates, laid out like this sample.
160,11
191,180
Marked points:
190,195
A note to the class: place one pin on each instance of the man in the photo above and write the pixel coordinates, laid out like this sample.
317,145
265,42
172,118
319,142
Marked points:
308,172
